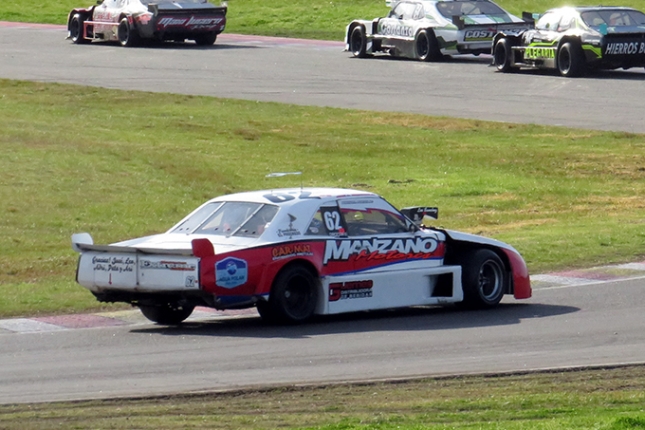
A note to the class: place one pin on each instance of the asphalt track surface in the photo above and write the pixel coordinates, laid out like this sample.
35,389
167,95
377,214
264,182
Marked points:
583,318
565,324
320,73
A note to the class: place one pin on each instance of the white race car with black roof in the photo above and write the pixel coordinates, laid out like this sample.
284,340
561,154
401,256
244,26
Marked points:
296,253
131,22
428,30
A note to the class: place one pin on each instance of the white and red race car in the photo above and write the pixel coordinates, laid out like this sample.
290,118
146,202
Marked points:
129,22
295,253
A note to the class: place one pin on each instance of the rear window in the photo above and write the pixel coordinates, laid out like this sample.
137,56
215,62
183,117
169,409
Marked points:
229,218
613,18
451,8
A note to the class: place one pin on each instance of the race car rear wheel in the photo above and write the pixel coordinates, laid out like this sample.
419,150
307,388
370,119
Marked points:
503,55
358,42
571,61
167,313
483,279
128,36
206,39
293,297
76,30
426,47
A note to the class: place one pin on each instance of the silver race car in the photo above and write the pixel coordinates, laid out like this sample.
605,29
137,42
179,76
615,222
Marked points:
429,29
129,22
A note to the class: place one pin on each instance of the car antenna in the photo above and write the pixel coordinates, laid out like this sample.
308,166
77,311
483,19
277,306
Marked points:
281,174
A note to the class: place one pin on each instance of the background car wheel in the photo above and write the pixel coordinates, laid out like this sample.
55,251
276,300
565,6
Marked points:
358,42
293,297
426,46
503,55
76,30
128,36
206,39
571,60
483,279
167,313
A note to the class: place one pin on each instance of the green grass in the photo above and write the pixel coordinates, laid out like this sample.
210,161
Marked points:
314,19
123,164
605,399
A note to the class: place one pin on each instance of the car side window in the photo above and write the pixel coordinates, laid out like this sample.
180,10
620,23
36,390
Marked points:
327,221
566,23
371,217
419,12
404,11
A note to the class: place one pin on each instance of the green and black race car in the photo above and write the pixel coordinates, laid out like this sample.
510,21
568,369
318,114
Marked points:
574,40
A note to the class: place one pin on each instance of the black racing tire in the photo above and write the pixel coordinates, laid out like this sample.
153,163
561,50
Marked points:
293,297
128,35
503,55
167,313
206,39
358,42
76,30
483,279
570,61
426,47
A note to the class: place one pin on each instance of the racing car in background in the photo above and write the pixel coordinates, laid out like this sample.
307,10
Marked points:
294,253
429,29
129,22
573,40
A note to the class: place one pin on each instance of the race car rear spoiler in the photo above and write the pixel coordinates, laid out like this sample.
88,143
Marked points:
458,21
83,242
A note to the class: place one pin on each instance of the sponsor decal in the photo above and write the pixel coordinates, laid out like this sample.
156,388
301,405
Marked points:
289,231
396,30
190,282
192,22
625,48
350,290
231,272
167,265
539,52
103,15
479,34
380,249
358,202
286,251
113,264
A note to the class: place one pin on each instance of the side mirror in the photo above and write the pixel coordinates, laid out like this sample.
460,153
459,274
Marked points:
416,214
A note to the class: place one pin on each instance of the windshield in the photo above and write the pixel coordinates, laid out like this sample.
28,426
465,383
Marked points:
451,8
229,218
613,18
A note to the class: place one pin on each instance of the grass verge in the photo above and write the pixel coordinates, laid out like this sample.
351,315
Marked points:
312,19
601,399
127,164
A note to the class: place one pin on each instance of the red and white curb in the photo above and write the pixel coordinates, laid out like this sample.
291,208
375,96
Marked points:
594,275
565,279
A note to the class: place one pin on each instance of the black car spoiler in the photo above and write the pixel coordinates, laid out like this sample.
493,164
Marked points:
187,8
458,21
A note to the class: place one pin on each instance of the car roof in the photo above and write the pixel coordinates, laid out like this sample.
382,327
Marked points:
589,8
289,196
